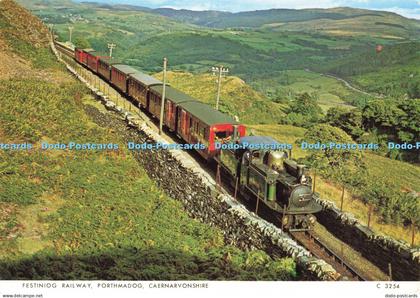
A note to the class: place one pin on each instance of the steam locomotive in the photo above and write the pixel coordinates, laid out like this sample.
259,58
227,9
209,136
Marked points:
269,176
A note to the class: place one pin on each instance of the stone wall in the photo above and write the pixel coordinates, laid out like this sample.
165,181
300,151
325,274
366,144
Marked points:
380,250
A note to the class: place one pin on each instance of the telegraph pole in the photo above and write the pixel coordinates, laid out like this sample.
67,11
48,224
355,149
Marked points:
71,32
111,46
162,104
220,71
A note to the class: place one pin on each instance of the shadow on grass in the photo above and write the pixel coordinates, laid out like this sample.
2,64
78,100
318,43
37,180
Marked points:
132,264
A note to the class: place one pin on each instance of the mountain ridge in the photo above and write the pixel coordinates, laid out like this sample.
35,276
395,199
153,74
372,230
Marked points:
331,21
344,11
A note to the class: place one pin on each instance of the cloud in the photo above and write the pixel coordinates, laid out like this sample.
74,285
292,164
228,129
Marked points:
265,4
408,13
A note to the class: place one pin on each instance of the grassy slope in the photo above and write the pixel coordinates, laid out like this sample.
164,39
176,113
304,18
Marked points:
94,215
287,84
390,78
237,98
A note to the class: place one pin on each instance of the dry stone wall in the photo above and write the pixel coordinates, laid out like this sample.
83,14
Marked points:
380,250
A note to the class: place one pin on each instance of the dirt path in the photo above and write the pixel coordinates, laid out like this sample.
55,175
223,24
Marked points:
346,83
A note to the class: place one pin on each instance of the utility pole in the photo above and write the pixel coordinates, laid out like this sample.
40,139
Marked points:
162,104
220,71
111,46
71,32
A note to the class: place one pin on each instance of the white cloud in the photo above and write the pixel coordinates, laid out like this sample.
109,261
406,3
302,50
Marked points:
195,6
288,4
408,13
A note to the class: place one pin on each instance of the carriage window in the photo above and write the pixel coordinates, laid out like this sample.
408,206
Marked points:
221,134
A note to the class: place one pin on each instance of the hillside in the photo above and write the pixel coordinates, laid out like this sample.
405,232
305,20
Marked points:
340,21
237,98
80,214
394,70
336,21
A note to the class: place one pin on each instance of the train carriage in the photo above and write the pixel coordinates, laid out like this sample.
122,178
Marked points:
119,76
173,98
92,61
105,65
81,55
200,123
139,85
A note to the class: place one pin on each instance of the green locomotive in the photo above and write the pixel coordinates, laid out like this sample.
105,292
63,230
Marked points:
269,176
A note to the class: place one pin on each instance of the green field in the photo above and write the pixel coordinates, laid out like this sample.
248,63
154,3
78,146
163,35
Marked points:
287,84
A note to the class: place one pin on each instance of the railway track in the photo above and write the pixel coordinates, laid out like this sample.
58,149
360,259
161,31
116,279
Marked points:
312,243
307,239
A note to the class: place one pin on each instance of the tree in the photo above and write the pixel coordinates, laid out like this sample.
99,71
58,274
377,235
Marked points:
345,165
305,109
382,114
410,120
81,42
351,121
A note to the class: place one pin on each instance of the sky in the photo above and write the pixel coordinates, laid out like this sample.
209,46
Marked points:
407,8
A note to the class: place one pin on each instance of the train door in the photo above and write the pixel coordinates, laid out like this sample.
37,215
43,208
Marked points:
187,125
183,124
193,131
141,94
168,114
179,122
